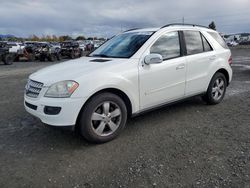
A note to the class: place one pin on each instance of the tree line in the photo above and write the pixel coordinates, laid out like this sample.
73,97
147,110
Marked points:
54,38
50,38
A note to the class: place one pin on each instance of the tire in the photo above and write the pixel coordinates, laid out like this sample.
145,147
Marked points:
8,59
103,126
52,58
72,55
216,89
81,53
58,56
32,57
42,58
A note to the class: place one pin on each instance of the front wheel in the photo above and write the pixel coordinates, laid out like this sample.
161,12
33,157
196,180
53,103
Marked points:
58,56
216,89
103,118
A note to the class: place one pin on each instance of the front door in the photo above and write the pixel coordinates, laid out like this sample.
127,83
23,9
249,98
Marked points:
163,82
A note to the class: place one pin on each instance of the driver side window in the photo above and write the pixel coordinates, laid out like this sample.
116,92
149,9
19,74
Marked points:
167,45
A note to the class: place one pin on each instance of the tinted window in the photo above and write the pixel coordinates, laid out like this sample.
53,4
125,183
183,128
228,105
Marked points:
167,45
219,39
193,42
207,46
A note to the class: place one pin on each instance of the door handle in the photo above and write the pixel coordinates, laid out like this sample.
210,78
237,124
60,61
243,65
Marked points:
181,66
212,57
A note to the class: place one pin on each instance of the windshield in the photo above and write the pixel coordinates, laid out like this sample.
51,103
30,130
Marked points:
122,46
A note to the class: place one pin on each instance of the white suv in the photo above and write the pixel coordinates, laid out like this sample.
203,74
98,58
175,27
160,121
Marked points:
133,72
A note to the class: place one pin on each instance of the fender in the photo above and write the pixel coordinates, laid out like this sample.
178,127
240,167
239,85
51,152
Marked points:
112,81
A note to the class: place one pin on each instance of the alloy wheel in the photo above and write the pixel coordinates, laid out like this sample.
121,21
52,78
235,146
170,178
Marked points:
106,118
218,89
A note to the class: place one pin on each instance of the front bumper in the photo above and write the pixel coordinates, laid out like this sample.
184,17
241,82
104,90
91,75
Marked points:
69,109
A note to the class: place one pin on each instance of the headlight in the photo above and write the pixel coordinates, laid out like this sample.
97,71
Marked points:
62,89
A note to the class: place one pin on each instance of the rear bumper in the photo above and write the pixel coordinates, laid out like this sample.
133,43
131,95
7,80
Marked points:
230,74
66,109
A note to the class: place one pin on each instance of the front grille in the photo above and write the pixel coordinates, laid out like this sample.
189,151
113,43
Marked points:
33,88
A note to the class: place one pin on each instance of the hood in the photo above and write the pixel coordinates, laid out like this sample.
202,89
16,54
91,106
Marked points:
71,70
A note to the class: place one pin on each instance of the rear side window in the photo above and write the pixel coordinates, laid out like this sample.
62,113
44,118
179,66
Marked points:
207,46
219,39
167,45
193,42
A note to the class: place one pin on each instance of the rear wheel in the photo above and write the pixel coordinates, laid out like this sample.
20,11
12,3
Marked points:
216,89
81,53
52,57
8,59
103,118
42,58
72,54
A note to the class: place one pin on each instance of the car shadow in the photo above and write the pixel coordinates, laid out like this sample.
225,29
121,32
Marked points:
33,136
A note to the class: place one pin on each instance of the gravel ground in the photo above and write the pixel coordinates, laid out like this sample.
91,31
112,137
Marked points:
188,144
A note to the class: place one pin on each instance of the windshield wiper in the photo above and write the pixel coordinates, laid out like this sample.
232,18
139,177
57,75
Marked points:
100,55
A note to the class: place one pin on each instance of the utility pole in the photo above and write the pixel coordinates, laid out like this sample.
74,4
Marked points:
183,20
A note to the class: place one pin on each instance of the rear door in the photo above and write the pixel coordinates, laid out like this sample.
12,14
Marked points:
200,56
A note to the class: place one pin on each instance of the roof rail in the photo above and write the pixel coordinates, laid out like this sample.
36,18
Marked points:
180,24
131,29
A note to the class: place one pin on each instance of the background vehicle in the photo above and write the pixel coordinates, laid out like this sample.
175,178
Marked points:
49,52
131,73
82,45
28,52
245,43
56,45
5,56
97,44
71,49
15,47
232,43
89,46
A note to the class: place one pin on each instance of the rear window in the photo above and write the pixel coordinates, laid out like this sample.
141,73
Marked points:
193,42
219,39
206,45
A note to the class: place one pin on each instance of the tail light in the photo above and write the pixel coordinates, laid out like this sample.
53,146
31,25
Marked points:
230,60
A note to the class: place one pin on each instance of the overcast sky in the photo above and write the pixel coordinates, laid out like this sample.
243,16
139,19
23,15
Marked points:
104,18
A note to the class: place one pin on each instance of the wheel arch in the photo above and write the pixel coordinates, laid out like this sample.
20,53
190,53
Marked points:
226,74
115,91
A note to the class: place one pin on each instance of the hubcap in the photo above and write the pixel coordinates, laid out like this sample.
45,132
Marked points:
106,118
218,89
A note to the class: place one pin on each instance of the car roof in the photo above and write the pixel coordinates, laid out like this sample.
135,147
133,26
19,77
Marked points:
177,26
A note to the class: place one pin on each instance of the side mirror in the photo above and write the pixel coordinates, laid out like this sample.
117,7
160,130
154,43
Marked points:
153,59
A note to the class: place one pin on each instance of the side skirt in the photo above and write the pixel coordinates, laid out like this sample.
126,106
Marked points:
143,111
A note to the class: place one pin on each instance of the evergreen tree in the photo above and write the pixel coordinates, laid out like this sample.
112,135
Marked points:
212,25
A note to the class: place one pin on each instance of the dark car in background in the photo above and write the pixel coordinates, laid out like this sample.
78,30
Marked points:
5,56
49,52
71,49
29,52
